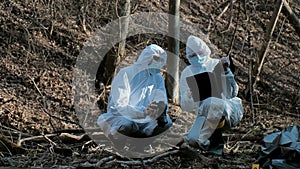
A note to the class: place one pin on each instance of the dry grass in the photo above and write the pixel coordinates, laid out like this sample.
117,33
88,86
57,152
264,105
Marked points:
40,42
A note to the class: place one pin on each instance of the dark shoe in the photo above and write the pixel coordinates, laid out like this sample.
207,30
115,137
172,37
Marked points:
205,145
217,150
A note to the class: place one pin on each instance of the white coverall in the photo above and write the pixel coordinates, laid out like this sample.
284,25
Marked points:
209,111
133,89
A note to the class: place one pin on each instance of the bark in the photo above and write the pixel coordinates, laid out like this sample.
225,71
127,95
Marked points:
112,59
172,79
124,22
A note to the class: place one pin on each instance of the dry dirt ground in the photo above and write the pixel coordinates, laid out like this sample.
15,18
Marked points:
39,44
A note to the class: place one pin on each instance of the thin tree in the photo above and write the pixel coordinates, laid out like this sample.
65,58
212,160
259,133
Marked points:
112,59
172,78
279,6
124,13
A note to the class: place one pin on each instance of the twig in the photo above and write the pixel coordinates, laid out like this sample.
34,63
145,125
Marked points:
98,164
35,85
148,161
44,101
74,137
110,160
116,9
83,10
58,118
224,10
251,90
44,105
219,16
34,138
231,17
11,129
245,137
10,146
6,147
283,22
242,48
232,41
292,114
49,140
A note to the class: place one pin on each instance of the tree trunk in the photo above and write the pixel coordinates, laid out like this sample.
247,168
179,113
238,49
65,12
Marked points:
112,59
124,22
172,78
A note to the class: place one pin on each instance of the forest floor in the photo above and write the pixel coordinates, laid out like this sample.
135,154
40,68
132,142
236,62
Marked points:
40,42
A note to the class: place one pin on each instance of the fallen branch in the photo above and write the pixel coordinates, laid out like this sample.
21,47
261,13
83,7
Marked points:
292,114
67,137
111,160
224,10
98,164
63,136
49,140
148,161
7,145
11,130
35,138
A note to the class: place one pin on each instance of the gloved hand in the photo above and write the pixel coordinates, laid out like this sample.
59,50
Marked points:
225,63
156,108
162,119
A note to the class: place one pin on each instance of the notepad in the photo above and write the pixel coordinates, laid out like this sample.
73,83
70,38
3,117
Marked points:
204,85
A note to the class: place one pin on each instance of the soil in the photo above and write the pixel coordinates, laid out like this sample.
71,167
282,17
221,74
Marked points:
41,40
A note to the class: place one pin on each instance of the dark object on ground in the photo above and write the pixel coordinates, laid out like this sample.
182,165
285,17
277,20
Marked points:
281,149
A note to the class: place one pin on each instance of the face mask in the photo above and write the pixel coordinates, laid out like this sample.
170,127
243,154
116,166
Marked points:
197,60
154,67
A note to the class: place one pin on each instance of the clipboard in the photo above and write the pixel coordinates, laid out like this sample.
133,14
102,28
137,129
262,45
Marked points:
205,85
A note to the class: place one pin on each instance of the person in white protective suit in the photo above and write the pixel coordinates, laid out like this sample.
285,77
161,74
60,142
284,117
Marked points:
137,105
213,113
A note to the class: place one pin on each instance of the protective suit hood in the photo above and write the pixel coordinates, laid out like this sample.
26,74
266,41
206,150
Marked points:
194,45
198,46
146,56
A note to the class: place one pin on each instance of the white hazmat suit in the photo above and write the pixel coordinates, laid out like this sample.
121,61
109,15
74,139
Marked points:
212,109
133,89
